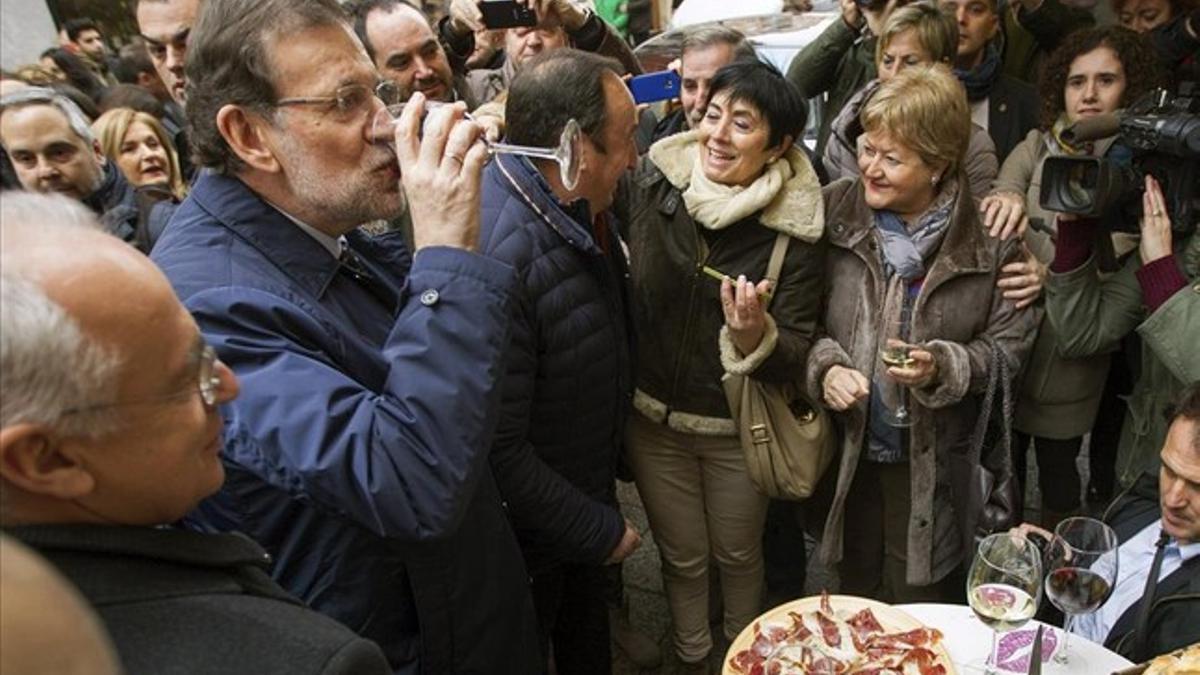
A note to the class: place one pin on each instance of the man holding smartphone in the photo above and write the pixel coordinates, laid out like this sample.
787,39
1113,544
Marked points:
559,23
704,52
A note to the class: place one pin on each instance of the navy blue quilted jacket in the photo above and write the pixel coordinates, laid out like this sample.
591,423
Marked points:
568,386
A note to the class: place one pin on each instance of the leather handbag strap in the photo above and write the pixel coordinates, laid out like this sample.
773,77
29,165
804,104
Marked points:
998,383
775,264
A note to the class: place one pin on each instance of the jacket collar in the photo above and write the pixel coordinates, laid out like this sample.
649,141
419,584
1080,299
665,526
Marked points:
572,222
273,234
795,211
181,546
112,192
966,247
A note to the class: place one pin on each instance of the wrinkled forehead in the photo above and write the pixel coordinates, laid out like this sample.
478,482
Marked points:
1181,450
704,62
35,126
314,61
162,20
989,5
399,29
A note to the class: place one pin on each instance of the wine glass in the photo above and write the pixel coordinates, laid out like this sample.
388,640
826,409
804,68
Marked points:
1081,565
566,154
895,351
1004,584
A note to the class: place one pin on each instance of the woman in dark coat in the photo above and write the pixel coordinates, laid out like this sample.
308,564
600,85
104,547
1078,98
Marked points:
705,210
905,238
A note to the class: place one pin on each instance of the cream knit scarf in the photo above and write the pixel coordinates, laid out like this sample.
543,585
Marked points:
717,206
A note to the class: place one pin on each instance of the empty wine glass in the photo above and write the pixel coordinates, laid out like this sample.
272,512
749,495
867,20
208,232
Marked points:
1081,566
566,154
895,351
1003,585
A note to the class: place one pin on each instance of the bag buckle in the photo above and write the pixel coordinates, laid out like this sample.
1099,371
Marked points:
759,434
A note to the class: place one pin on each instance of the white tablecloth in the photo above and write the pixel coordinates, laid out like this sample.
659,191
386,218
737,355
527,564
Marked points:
968,639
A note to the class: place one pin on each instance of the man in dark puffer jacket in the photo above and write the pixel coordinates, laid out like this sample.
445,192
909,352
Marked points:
568,385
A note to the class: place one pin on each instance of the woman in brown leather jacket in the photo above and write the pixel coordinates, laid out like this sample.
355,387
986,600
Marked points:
904,238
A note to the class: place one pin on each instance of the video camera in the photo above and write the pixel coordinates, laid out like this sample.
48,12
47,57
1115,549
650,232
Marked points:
1159,135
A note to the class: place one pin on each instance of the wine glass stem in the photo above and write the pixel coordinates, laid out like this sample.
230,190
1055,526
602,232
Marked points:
1060,657
902,408
989,666
527,151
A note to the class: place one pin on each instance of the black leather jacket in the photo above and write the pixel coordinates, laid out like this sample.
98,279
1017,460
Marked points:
677,307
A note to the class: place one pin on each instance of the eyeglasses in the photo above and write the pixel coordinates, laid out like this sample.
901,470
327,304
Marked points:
208,383
350,98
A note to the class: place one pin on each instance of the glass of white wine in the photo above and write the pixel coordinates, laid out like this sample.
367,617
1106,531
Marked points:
895,351
1004,585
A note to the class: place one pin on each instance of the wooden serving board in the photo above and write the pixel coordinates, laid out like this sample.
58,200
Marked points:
844,606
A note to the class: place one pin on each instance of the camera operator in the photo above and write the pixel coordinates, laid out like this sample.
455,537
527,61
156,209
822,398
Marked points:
1156,293
1178,45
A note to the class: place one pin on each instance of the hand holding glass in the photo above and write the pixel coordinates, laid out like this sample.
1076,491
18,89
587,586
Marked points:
566,154
895,351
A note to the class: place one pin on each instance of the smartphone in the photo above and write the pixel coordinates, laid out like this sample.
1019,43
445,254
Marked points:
506,14
660,86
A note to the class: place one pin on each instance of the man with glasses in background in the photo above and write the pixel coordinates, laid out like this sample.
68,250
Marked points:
110,432
357,451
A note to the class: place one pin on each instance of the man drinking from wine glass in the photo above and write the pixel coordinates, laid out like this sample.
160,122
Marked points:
1159,530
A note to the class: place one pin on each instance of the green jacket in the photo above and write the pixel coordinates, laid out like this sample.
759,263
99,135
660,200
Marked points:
840,61
1029,36
1058,397
1091,316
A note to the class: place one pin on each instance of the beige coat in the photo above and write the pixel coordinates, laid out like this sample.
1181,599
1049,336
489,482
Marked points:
958,303
1058,396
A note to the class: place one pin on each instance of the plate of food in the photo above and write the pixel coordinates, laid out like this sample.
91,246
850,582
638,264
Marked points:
1185,661
837,635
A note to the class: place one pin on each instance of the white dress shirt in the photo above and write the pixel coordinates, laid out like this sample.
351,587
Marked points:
1134,558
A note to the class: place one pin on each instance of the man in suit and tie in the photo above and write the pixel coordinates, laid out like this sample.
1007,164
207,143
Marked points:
1154,607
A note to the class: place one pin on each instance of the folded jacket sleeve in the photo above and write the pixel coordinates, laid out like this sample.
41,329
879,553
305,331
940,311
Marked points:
399,456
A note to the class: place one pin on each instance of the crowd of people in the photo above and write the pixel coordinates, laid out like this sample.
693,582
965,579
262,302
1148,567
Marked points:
305,372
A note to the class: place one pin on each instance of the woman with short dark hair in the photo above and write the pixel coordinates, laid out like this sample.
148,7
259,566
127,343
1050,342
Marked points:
709,203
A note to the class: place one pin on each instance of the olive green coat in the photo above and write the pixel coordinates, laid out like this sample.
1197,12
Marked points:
1058,397
1091,316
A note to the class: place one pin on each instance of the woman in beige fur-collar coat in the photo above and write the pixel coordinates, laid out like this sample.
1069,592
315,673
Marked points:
906,237
703,211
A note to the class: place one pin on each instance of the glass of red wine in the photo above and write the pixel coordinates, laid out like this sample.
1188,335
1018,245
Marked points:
1004,584
1081,565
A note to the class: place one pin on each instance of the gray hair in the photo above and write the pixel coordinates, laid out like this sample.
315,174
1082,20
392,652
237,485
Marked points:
713,36
50,368
43,96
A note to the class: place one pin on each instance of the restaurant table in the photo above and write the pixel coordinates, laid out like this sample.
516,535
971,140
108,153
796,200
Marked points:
967,640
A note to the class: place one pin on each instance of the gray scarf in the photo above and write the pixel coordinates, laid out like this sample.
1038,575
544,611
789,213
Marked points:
904,256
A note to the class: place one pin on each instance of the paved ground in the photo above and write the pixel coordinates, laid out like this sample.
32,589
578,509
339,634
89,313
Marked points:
643,575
